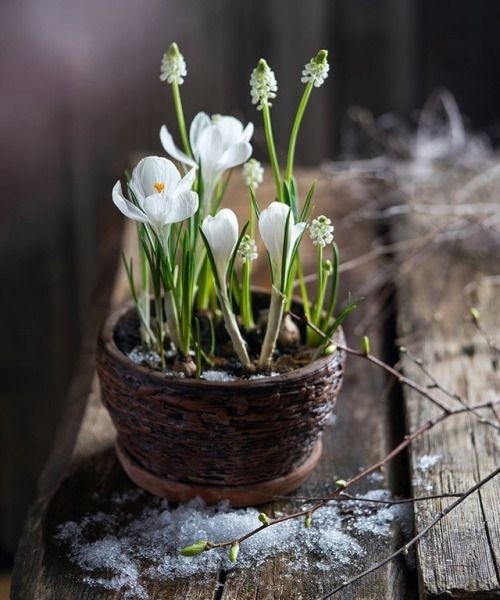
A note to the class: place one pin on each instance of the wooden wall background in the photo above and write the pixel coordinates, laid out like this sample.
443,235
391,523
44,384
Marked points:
80,93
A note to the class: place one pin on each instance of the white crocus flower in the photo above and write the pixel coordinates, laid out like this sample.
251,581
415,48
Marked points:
272,224
162,195
221,233
218,144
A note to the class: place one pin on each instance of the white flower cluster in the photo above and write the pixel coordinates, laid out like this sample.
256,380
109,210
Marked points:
173,66
248,249
263,85
316,70
321,231
253,172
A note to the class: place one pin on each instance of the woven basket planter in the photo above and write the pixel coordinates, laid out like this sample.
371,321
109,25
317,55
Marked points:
245,441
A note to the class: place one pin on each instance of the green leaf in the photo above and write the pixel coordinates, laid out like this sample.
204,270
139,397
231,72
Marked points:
255,206
307,204
210,258
235,251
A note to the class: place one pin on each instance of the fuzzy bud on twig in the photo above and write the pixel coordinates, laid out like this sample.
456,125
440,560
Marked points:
365,345
233,552
264,519
195,549
474,313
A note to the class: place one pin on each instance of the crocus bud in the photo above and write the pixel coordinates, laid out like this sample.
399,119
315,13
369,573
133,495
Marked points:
308,520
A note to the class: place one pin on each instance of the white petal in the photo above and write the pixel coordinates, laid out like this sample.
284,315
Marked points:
235,155
246,136
198,124
167,141
211,148
186,182
272,226
126,207
221,232
180,207
152,170
230,129
272,223
155,208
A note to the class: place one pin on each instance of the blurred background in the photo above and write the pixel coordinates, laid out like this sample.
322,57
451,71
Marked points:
80,95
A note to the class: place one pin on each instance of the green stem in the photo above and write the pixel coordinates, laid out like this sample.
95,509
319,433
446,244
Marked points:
335,287
303,292
205,286
276,309
320,296
173,320
180,117
144,304
291,280
295,130
246,298
160,327
272,151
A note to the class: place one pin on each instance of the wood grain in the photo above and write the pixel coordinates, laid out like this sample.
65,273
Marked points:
460,557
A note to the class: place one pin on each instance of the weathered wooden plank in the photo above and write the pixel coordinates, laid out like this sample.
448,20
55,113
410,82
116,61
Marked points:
86,483
460,557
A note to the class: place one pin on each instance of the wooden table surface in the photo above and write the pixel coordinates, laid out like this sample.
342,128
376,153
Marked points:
423,299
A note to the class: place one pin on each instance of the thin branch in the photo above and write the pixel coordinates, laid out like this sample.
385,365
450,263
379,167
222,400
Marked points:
408,439
404,549
439,386
396,501
420,389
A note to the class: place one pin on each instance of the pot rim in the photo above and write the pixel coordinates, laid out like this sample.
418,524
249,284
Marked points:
106,338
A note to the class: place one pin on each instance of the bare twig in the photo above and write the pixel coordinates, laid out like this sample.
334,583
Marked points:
404,549
420,389
307,512
439,386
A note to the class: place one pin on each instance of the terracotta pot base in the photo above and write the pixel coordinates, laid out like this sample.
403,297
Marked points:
238,495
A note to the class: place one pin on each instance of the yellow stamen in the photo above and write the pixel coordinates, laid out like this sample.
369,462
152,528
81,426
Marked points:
159,186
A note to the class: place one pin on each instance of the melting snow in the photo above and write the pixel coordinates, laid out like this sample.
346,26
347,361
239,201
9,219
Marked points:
121,551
